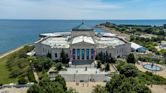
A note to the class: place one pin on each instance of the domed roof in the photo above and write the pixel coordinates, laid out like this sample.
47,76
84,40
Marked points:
82,27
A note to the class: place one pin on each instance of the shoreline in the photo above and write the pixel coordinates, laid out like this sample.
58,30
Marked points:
107,29
11,51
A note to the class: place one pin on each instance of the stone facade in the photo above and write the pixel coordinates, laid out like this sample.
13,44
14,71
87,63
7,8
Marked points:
82,44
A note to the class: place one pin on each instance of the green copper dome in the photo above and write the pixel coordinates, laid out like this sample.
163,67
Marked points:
82,27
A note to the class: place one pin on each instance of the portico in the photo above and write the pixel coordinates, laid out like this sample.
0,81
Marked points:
83,54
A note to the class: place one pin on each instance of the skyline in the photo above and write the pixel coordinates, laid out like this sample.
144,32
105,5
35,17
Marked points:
82,9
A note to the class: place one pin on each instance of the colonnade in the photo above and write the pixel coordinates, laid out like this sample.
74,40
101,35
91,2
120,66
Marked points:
83,54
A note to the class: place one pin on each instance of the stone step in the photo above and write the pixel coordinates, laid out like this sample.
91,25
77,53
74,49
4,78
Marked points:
82,66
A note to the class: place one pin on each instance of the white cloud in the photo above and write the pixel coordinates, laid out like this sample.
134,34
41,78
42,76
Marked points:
52,9
81,9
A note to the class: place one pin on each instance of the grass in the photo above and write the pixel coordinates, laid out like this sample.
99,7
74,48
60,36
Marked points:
12,63
5,73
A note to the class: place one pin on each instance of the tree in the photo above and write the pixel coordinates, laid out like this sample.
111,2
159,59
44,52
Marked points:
97,57
129,70
35,89
42,63
49,55
101,57
98,64
164,26
122,84
48,86
61,80
107,67
58,66
64,58
106,57
163,52
112,60
22,81
131,58
1,84
70,90
99,89
164,55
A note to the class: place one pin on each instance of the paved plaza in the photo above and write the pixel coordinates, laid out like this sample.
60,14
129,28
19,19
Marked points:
84,75
84,87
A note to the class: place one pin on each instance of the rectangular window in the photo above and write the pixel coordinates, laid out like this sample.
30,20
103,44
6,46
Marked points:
87,54
56,55
78,53
92,53
83,53
110,55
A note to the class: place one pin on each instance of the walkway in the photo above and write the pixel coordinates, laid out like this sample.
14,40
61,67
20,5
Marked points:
36,76
158,88
14,90
84,87
160,73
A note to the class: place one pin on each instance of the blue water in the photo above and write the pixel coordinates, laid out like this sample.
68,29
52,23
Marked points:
152,68
14,33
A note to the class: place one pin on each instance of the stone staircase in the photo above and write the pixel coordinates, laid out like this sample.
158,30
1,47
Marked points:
82,64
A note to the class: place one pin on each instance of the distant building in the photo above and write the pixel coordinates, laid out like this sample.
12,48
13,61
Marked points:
163,45
148,36
137,48
82,44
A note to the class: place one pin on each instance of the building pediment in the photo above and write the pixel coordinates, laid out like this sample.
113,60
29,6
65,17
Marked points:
82,39
83,44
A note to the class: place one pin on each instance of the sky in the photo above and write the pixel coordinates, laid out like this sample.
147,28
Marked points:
82,9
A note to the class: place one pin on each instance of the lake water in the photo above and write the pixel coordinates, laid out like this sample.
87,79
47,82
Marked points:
14,33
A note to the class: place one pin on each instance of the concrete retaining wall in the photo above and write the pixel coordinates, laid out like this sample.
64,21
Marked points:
84,77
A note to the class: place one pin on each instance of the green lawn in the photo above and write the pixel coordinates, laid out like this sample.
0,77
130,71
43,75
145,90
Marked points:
14,65
4,72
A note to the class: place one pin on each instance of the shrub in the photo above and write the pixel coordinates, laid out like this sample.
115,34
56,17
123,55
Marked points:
107,67
30,75
48,86
122,84
129,70
98,64
58,66
99,89
22,81
42,63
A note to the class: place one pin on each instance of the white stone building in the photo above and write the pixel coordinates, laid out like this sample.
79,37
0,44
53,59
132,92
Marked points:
82,44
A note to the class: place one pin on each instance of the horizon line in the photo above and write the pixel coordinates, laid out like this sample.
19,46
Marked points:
83,19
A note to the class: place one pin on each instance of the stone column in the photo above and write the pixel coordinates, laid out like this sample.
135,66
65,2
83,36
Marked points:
89,54
90,50
76,54
94,54
80,54
71,54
